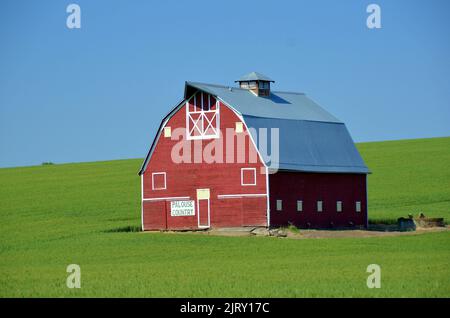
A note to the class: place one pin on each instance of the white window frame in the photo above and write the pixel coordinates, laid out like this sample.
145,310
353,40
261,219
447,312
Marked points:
358,206
319,206
279,205
254,177
299,205
202,123
153,180
339,206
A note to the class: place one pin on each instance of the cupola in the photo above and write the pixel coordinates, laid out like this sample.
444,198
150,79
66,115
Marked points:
257,83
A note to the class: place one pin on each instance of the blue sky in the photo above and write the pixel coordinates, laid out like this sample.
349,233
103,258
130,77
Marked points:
99,92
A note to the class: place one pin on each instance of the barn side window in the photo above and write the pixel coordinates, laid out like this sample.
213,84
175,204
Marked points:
279,205
248,176
167,132
299,206
239,127
358,206
319,206
159,181
338,206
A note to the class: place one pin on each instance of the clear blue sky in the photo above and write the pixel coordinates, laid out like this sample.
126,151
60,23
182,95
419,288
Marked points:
99,92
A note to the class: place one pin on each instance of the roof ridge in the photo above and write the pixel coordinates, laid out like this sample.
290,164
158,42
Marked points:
216,85
242,89
286,92
308,120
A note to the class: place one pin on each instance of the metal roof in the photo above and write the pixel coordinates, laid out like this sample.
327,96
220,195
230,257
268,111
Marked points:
310,138
282,105
309,146
254,76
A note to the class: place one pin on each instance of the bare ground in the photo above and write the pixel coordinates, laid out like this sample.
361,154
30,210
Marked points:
305,234
314,234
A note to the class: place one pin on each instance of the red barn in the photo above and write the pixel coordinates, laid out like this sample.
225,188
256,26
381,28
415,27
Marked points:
249,156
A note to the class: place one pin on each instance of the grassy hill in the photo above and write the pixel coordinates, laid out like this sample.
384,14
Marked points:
56,215
409,176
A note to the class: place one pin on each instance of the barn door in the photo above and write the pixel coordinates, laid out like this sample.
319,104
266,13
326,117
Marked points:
203,211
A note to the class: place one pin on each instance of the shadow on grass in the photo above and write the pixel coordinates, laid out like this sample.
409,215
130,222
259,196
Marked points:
383,225
383,228
128,228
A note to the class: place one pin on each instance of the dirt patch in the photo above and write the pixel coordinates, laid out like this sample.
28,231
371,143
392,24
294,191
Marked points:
310,234
305,234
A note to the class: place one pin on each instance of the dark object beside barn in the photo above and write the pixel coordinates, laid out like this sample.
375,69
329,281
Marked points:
406,224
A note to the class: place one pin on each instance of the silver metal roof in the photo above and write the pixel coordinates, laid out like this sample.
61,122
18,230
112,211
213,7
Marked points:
282,105
310,138
254,76
309,146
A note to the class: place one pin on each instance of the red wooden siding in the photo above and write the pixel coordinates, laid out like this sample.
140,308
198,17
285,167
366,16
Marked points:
312,187
223,180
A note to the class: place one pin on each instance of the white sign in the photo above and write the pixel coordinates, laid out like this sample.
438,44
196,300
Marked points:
182,208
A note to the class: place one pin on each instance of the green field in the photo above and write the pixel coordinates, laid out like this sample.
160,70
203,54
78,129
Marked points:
56,215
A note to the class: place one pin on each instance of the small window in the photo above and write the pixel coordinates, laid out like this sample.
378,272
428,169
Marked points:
338,206
358,206
319,206
158,180
244,84
263,85
239,127
167,132
252,85
279,205
299,206
248,176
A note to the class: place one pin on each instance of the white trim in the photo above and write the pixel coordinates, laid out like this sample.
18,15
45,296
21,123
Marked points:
166,199
239,115
242,177
153,181
243,195
199,123
142,202
198,215
164,125
250,89
268,199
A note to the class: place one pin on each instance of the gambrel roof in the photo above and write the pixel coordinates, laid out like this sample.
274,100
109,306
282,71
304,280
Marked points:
310,138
